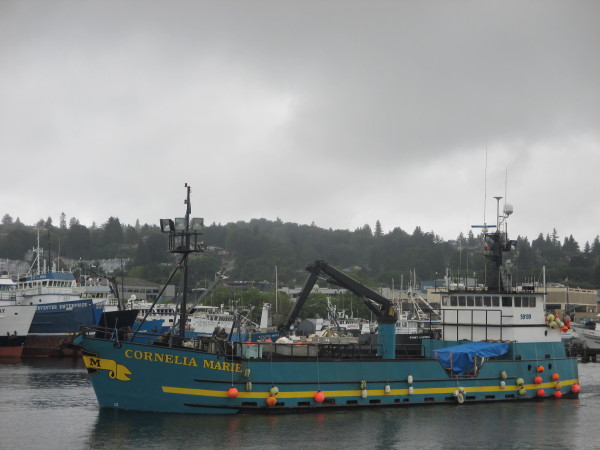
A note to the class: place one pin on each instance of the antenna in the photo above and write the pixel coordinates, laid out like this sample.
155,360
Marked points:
505,185
485,182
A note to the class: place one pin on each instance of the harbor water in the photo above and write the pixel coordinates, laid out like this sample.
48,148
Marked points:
48,403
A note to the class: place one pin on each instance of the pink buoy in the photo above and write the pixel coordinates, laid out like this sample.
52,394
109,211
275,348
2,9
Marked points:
232,392
319,397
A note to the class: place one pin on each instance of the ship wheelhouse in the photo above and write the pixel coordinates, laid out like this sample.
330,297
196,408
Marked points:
487,316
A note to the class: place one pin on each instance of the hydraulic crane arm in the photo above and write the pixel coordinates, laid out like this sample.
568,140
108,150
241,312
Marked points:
382,307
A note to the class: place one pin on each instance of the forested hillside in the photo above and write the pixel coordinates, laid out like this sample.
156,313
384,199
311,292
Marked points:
260,245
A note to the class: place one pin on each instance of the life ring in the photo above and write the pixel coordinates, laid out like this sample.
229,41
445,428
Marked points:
460,398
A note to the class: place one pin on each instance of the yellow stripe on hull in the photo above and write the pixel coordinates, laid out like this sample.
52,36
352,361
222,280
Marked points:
357,392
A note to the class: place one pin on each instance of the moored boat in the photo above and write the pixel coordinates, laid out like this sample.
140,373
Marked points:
15,320
62,305
494,346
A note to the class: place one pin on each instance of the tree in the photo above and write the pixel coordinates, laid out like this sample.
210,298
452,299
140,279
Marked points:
7,219
378,231
554,238
113,232
570,247
63,221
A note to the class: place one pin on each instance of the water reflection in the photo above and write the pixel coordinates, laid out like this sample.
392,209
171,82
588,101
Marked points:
56,396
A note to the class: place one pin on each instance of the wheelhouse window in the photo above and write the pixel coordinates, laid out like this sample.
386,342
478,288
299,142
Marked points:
462,300
478,300
495,302
532,302
507,301
518,302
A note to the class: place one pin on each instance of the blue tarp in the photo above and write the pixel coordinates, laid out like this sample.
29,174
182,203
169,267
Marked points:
461,357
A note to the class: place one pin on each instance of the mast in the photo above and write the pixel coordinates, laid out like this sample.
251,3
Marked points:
184,239
183,319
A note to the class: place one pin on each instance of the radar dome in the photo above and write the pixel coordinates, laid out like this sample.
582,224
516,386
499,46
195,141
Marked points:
508,209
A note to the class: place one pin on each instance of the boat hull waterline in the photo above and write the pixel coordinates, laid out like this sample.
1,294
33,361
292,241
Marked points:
15,321
138,377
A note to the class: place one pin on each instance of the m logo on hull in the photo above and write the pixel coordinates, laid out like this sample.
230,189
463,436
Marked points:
115,371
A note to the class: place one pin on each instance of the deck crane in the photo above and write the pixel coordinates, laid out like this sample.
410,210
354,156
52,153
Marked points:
382,307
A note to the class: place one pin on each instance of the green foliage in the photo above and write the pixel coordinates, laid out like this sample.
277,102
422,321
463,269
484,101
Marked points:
259,246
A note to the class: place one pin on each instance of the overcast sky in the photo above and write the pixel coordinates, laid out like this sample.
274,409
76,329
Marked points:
337,113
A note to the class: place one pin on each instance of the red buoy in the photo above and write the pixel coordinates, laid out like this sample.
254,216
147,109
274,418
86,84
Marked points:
575,389
271,401
232,392
555,377
319,397
537,380
557,394
540,393
540,369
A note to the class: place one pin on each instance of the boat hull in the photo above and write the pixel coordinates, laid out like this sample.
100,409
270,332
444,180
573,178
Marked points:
53,329
15,321
55,324
11,346
138,377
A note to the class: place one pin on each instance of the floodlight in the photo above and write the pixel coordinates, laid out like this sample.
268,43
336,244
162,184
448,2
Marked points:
180,224
166,225
197,224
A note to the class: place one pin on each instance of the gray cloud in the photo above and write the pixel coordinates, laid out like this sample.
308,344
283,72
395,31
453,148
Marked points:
338,113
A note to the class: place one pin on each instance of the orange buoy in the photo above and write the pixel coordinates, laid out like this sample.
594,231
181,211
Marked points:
575,389
271,401
540,393
540,369
232,392
537,380
555,377
557,394
319,397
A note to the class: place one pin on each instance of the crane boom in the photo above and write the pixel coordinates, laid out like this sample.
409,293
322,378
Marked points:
382,307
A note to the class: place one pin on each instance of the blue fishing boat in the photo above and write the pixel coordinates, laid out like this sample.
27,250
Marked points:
496,344
63,305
